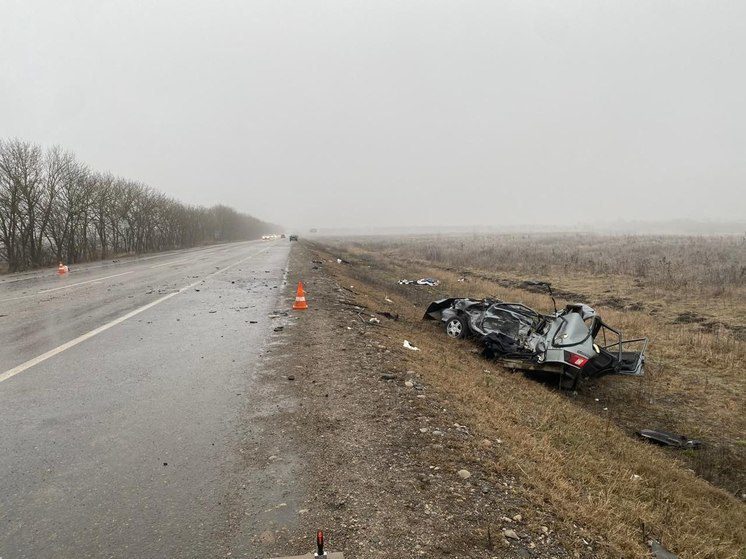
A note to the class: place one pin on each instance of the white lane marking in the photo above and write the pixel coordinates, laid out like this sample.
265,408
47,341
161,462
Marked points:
82,283
72,343
169,263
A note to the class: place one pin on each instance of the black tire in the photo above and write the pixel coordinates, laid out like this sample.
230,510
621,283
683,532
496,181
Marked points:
456,328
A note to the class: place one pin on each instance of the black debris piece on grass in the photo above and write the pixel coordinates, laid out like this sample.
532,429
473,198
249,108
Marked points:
666,438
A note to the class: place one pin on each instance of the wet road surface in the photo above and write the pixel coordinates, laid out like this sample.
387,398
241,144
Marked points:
127,392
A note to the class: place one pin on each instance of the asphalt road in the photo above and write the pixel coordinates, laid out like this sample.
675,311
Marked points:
127,392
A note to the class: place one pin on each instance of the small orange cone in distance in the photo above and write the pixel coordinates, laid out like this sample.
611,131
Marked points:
300,298
62,269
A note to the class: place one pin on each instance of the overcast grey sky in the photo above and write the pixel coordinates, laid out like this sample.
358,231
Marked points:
345,113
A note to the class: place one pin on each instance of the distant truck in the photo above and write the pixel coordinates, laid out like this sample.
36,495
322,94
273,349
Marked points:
293,237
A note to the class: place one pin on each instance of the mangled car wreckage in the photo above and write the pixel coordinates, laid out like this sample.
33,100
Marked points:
574,342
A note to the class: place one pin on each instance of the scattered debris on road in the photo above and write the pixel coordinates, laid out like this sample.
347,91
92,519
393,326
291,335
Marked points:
666,438
278,314
408,345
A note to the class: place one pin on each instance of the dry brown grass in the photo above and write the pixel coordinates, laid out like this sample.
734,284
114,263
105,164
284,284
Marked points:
713,265
669,274
572,455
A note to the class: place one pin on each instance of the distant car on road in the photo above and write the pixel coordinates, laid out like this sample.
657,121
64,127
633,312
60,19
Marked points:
293,237
282,236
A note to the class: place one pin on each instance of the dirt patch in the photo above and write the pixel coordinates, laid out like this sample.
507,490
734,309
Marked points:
689,317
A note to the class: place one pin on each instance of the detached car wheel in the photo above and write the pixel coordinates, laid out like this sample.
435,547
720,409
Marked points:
456,328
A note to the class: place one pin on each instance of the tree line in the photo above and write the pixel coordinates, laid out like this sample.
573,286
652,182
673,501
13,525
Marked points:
53,208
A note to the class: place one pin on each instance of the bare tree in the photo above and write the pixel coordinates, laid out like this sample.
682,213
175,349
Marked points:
53,208
20,195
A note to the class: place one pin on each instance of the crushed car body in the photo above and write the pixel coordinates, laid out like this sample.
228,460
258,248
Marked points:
574,342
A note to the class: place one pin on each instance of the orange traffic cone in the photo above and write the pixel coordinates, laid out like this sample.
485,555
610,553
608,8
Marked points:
300,298
62,269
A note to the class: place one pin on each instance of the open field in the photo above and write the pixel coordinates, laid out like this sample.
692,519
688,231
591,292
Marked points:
578,451
706,274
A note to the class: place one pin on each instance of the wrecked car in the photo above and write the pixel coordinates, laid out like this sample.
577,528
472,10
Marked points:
574,342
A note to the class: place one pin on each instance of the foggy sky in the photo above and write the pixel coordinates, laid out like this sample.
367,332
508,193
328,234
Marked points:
392,112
